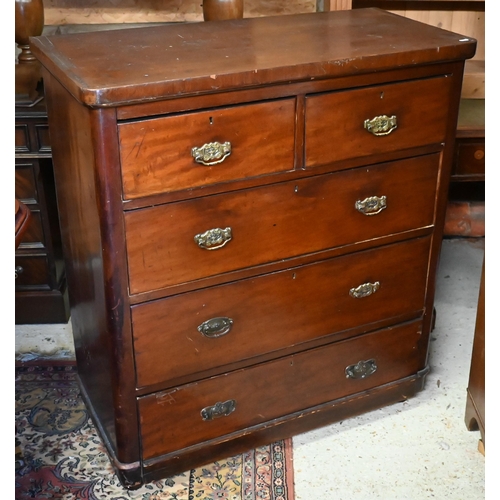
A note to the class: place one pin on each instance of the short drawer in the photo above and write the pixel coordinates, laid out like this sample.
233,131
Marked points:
186,241
211,328
237,142
211,408
32,271
374,120
469,160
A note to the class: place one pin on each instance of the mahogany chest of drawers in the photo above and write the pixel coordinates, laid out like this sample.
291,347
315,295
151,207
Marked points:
251,215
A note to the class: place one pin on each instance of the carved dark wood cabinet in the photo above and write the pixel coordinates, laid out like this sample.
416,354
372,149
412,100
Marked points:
252,213
41,290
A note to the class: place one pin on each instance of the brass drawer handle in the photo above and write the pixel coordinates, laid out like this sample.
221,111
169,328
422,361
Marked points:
214,239
216,327
218,410
364,290
381,125
372,205
19,270
211,153
361,369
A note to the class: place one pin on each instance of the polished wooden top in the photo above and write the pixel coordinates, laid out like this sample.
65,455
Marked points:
109,68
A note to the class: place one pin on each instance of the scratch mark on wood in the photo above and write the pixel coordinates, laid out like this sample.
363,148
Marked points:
165,397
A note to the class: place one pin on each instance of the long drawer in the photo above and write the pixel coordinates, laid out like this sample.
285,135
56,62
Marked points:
191,414
187,334
186,241
232,143
374,120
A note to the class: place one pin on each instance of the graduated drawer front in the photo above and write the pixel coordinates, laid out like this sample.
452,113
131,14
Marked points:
156,154
335,129
275,311
276,222
172,420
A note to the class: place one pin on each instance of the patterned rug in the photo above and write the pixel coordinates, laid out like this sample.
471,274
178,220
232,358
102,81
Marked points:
64,458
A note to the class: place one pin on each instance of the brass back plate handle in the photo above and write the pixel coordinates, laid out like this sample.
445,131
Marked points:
218,410
214,239
216,327
372,205
381,125
361,369
211,153
364,290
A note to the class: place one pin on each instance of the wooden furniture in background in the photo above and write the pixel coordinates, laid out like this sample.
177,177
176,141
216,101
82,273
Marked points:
475,406
327,5
41,294
29,20
63,12
41,291
230,247
469,162
466,208
22,219
218,10
465,215
460,16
